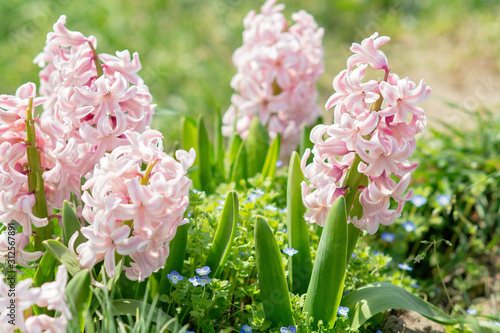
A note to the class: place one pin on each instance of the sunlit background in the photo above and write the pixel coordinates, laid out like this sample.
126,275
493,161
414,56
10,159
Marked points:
186,46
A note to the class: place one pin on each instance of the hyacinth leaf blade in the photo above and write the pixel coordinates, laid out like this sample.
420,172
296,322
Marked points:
327,280
63,255
133,307
71,224
204,155
371,299
224,236
175,260
233,152
46,272
272,281
79,296
240,166
305,141
298,233
218,144
273,154
189,139
257,145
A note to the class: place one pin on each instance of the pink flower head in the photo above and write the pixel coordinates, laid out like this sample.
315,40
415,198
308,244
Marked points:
278,65
368,53
53,296
134,211
22,257
371,123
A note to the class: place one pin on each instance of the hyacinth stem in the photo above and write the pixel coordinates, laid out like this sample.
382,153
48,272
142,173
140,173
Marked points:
35,180
97,62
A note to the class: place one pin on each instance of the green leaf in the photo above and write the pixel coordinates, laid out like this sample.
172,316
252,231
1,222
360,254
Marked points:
298,232
71,224
204,157
132,307
235,148
218,143
239,170
327,280
79,295
175,260
224,236
373,298
272,157
272,281
45,272
189,139
257,145
305,141
63,255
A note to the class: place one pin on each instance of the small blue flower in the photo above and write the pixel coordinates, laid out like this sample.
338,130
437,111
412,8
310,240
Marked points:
346,292
409,226
443,199
221,204
205,280
415,285
196,281
175,277
279,164
405,267
203,271
353,255
290,251
246,329
242,254
283,210
472,311
379,331
389,237
343,311
419,200
255,194
196,191
289,329
271,208
376,253
496,323
190,332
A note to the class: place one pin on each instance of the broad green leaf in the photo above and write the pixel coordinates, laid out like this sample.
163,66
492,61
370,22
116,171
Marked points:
298,233
204,158
240,166
327,280
189,139
45,272
257,145
373,298
224,236
63,255
235,148
71,224
305,141
218,143
79,295
272,281
272,157
175,260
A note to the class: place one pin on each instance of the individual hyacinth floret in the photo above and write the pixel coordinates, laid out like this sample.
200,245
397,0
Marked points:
97,97
278,66
134,212
375,123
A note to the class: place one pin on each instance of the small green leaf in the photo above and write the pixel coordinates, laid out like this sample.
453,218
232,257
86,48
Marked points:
298,233
239,170
373,298
327,280
257,145
272,157
204,158
235,148
175,260
71,224
63,255
218,143
224,236
79,295
124,307
305,141
189,139
45,272
272,281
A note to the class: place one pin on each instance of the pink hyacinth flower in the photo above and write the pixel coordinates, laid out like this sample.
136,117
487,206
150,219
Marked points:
368,53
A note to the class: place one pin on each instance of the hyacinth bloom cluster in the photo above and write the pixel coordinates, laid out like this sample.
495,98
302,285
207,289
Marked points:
50,295
375,123
278,65
93,97
134,212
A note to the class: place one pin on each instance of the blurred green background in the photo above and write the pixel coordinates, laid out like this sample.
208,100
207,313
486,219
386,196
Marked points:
186,46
